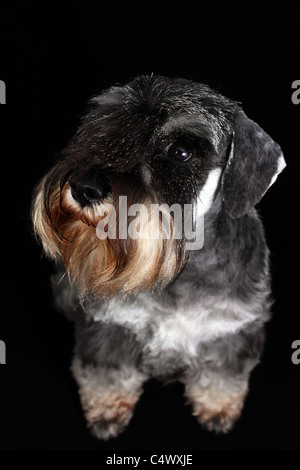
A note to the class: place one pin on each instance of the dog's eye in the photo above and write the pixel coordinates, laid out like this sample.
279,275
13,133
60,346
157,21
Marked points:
180,152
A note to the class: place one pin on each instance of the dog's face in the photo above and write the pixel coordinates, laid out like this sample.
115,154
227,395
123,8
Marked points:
156,141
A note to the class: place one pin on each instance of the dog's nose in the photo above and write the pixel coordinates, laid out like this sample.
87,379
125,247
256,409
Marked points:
87,191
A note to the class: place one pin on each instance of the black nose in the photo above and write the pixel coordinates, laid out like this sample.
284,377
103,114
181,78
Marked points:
89,189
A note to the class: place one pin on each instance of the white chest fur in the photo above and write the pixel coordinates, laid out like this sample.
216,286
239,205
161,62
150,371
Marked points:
180,329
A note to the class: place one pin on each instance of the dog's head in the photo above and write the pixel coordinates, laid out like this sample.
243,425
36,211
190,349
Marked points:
157,142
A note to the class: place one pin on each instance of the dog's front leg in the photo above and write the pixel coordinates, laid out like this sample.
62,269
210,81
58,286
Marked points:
105,367
217,390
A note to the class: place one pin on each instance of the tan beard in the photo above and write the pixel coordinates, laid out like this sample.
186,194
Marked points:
110,266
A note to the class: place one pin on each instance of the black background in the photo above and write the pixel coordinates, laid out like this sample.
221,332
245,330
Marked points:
54,57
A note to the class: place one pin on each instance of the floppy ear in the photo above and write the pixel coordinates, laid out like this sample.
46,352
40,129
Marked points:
255,161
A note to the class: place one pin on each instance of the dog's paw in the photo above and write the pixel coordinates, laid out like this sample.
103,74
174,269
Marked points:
220,421
107,426
108,414
217,411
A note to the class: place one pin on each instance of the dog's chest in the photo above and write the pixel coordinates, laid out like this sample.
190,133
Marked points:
181,328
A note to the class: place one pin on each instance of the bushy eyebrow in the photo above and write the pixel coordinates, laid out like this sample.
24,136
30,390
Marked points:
191,124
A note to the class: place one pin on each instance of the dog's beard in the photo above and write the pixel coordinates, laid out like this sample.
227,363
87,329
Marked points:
112,265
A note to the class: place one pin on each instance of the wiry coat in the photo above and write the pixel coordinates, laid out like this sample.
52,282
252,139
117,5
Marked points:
161,310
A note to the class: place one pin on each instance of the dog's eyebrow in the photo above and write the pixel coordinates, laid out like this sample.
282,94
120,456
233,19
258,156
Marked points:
195,124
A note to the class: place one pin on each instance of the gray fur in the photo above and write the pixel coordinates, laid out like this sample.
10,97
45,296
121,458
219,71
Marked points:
207,327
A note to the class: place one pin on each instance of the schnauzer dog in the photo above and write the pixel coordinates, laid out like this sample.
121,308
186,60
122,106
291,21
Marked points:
153,306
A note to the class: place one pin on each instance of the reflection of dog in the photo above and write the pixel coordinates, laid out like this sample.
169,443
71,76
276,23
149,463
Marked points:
149,308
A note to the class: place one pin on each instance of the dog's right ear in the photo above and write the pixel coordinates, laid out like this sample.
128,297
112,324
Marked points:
253,165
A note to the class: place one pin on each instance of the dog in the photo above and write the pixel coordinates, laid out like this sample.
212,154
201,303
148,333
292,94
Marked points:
150,306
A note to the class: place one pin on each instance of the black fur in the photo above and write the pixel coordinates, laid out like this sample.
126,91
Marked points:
126,129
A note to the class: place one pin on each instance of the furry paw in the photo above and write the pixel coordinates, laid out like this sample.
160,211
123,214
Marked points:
107,416
103,429
108,396
215,410
110,423
220,421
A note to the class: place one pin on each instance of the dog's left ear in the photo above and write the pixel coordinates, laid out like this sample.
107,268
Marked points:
254,162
